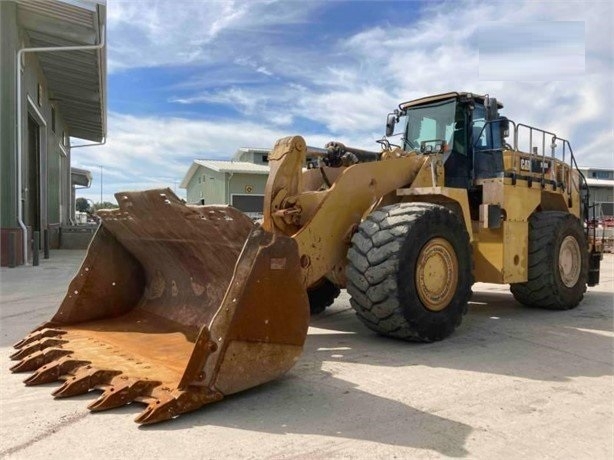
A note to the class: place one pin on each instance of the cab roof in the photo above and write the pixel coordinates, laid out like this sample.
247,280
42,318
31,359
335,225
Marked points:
442,97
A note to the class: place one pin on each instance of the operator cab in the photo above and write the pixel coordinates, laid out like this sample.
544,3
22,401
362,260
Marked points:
465,127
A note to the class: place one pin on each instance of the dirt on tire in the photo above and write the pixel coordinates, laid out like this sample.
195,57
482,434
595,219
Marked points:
544,287
382,265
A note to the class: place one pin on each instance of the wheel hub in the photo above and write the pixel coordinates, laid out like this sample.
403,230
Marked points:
436,274
570,261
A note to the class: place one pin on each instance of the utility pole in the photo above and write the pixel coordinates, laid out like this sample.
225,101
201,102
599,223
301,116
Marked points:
101,186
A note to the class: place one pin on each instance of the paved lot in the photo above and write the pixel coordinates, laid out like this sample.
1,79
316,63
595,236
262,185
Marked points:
510,383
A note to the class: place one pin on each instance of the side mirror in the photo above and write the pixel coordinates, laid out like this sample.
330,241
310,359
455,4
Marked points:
390,122
492,110
505,127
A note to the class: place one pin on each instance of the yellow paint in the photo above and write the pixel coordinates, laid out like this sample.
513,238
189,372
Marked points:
488,255
324,238
322,219
436,275
457,197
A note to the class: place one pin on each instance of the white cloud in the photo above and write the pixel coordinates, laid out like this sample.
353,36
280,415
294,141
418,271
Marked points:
155,152
440,54
344,90
162,33
264,70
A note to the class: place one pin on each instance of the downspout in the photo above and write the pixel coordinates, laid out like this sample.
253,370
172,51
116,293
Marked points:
18,151
228,195
95,144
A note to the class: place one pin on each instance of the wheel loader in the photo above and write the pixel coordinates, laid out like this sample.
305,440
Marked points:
176,306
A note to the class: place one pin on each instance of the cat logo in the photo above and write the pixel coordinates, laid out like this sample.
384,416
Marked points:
525,164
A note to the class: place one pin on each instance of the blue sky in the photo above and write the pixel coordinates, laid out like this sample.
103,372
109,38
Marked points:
199,79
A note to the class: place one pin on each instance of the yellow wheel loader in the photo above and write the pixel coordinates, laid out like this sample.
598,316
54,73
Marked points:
176,306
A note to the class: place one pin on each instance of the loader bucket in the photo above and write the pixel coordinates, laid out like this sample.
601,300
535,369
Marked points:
175,307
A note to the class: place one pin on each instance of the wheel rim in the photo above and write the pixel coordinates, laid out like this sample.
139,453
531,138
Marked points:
570,260
436,274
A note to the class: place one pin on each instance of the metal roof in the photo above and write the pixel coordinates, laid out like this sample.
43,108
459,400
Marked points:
76,79
233,166
242,150
225,166
82,177
585,169
592,182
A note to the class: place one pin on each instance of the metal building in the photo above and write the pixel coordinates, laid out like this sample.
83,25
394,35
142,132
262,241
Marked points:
601,185
52,89
237,183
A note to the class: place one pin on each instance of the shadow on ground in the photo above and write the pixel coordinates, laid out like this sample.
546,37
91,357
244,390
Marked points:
498,336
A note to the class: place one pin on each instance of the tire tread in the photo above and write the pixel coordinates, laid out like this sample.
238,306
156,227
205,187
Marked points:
372,276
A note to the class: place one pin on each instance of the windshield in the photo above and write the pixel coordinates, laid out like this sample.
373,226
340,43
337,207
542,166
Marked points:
430,125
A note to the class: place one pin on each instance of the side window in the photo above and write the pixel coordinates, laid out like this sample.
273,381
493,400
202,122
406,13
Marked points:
485,136
460,130
479,133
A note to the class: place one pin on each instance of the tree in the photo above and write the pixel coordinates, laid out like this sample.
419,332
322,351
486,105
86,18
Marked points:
82,205
104,205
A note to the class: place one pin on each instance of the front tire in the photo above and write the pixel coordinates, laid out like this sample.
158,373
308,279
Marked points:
558,262
322,295
409,271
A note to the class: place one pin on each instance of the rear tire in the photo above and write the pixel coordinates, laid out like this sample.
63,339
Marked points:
558,262
409,271
322,295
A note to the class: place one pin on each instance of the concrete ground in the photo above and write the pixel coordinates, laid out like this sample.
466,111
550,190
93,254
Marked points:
512,382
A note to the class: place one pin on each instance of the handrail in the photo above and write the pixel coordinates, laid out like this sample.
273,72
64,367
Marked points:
533,151
565,146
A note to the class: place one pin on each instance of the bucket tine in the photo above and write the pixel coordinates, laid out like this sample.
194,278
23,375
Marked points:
120,391
83,380
54,370
38,359
37,345
38,335
152,414
165,404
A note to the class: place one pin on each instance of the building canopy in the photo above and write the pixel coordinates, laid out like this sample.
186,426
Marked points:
76,79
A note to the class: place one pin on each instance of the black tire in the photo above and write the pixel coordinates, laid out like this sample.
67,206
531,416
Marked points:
553,234
322,295
383,269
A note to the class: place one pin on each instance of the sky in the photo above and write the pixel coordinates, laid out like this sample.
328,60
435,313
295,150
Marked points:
199,79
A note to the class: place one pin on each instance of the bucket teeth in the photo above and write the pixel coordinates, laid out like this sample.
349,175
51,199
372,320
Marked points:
41,352
37,359
165,404
122,390
84,379
53,371
39,335
37,345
